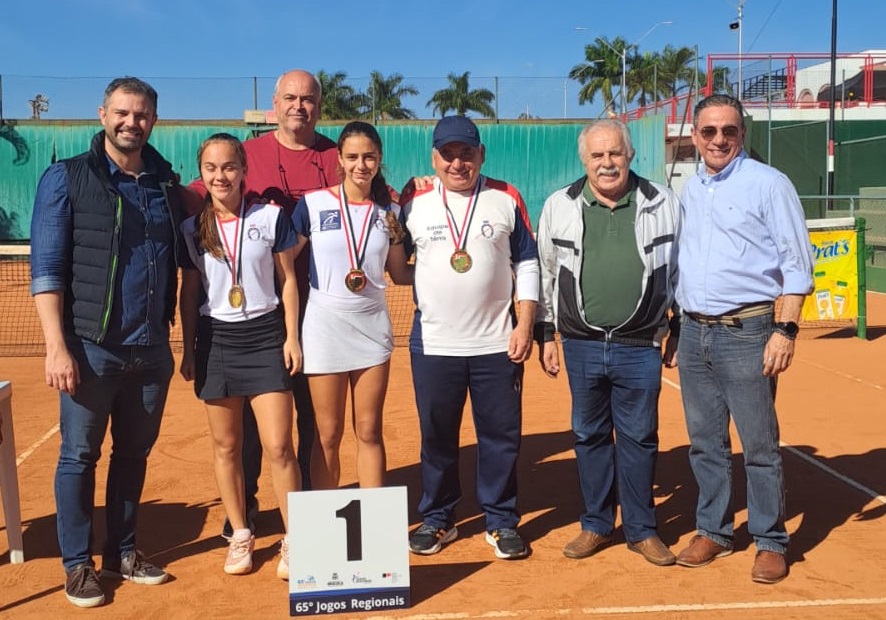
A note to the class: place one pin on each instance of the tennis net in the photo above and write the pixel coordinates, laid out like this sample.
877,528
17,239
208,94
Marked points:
22,336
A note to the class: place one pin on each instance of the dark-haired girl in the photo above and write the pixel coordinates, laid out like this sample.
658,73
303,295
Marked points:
347,336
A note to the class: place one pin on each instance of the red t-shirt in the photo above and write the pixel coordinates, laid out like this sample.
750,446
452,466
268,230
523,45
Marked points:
283,175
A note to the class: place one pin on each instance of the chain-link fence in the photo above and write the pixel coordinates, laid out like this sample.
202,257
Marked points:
227,98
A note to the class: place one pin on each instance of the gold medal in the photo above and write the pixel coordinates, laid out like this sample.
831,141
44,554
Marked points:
235,296
461,261
355,280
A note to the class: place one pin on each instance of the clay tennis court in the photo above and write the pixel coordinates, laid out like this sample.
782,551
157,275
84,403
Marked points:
832,408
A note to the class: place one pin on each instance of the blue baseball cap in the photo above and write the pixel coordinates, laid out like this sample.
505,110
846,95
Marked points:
456,129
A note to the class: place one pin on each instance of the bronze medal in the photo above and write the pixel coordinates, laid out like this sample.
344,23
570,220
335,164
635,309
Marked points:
235,296
355,280
461,261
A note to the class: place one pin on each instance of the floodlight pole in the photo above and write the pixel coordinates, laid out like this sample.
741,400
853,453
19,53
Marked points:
740,18
831,125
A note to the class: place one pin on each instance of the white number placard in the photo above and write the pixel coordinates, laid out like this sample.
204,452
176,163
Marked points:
348,551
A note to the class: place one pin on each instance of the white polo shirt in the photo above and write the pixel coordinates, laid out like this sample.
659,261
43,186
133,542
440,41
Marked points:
266,230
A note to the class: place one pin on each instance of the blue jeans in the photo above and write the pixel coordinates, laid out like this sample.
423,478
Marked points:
128,385
721,375
615,387
441,387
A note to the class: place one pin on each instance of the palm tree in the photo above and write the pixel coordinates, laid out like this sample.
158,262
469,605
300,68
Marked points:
340,101
461,99
600,71
719,81
383,98
675,69
642,80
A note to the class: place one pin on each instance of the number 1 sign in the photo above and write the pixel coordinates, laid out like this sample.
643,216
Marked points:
348,551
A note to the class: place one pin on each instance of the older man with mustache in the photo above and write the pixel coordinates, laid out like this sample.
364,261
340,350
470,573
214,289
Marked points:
606,245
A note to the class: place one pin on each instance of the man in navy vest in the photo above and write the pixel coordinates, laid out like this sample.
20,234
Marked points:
103,276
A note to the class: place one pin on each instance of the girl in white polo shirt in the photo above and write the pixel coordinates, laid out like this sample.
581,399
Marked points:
239,344
346,335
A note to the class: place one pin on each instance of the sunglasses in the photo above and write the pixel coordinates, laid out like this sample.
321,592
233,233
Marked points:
730,132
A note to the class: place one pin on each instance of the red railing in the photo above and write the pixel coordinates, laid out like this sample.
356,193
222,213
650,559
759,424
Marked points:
812,79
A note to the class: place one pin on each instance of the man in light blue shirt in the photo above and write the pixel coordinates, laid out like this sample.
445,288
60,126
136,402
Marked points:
743,244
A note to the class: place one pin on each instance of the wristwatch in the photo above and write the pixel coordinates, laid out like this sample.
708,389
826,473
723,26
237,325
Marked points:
787,329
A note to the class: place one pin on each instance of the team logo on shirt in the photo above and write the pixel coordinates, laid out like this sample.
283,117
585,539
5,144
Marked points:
381,224
330,220
258,232
487,230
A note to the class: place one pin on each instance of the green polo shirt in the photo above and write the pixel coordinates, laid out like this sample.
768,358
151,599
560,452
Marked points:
611,272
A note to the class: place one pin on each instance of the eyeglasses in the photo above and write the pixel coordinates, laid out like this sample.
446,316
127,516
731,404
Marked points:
730,132
296,194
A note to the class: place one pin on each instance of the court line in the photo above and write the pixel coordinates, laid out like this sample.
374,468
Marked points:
840,373
33,447
857,485
650,609
814,461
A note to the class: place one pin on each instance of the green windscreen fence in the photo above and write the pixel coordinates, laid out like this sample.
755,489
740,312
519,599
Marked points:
536,158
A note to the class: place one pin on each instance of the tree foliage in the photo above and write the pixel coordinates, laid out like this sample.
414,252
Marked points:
600,72
340,100
384,97
459,98
650,76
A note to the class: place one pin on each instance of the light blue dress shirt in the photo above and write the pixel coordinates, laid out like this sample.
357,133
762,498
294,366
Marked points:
743,240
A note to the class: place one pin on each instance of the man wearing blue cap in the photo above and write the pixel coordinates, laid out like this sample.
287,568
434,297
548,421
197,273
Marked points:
473,242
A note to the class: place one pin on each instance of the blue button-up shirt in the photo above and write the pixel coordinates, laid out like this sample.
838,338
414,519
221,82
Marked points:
743,239
146,249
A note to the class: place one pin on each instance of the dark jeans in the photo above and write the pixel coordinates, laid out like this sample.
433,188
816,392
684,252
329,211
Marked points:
615,389
126,385
721,377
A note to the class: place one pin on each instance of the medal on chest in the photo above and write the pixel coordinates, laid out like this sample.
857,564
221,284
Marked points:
236,296
234,259
355,279
461,261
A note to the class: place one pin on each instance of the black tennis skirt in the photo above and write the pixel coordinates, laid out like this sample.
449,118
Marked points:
242,358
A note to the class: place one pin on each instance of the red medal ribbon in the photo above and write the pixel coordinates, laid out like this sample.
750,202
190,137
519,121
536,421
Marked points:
235,272
461,238
356,249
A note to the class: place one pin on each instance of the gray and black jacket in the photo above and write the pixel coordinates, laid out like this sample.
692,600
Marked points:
560,251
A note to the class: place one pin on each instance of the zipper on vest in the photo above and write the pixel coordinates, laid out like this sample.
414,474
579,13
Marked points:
112,272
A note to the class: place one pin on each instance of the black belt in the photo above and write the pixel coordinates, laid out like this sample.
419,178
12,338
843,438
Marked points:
733,317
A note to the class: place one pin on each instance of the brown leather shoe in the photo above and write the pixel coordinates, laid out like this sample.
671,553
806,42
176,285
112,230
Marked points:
653,550
701,552
769,567
585,545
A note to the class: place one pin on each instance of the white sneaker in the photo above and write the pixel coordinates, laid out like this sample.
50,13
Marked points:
283,564
239,560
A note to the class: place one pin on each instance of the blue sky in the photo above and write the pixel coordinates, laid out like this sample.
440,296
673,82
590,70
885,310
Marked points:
201,56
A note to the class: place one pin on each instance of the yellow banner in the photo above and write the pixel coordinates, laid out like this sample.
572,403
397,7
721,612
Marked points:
836,277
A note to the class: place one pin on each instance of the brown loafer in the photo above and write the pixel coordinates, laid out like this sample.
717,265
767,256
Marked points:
701,552
653,550
585,545
769,567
